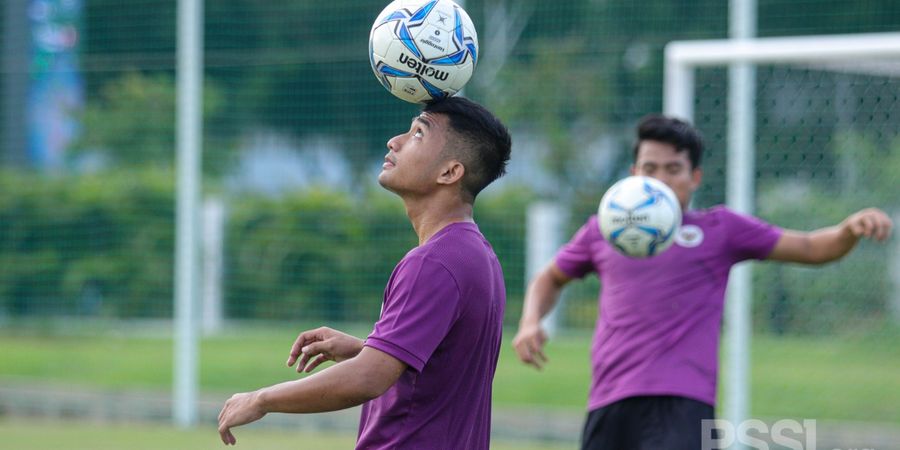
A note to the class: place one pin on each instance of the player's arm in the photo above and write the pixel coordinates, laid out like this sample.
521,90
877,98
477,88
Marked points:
540,298
353,382
832,243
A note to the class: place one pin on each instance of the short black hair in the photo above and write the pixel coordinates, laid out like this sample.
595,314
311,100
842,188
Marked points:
670,130
484,142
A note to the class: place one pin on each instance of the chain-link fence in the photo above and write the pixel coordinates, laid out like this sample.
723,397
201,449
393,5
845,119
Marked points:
295,127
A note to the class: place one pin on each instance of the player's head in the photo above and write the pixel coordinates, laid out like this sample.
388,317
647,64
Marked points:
453,142
670,150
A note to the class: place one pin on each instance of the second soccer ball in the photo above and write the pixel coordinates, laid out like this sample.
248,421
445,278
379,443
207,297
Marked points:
639,216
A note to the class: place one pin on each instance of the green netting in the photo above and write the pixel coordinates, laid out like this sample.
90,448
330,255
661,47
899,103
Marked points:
295,127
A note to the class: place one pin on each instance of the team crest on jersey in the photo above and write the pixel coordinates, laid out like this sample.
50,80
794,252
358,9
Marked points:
689,236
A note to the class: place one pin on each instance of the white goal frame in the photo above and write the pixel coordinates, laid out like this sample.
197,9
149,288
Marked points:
872,53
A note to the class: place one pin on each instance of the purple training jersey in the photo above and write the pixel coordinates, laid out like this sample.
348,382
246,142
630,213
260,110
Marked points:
659,318
443,316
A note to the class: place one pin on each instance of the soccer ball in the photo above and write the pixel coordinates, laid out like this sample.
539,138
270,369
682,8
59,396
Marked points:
639,216
423,50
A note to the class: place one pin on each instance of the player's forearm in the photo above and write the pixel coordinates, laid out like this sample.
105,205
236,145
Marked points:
338,387
830,244
540,298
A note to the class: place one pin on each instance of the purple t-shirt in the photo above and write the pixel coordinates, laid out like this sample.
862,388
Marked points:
659,318
443,316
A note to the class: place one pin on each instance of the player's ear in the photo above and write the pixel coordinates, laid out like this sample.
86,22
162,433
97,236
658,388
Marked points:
451,172
696,177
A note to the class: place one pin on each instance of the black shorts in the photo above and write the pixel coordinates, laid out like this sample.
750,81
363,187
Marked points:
646,423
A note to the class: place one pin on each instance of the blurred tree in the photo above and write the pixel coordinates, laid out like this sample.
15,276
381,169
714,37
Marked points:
301,67
132,121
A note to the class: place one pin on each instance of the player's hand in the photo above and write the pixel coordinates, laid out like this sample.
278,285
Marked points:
870,223
529,344
240,409
314,347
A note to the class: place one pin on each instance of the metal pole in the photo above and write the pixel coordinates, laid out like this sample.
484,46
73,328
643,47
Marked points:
189,94
678,88
894,274
544,235
213,316
740,184
16,48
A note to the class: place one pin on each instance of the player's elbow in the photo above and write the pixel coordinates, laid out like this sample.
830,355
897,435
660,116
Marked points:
554,276
372,385
372,379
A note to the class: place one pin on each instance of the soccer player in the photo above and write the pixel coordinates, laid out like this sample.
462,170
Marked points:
655,347
424,374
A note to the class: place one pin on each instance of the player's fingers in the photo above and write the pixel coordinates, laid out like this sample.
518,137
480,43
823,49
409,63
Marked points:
540,356
304,339
883,227
537,355
857,227
319,360
526,357
229,437
295,349
310,351
302,363
521,349
527,352
870,225
224,433
888,229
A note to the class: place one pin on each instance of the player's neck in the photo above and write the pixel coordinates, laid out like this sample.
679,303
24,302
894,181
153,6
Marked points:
428,216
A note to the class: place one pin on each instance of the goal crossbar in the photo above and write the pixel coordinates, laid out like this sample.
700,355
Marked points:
683,57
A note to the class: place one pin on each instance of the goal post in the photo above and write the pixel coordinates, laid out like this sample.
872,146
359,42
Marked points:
872,53
683,57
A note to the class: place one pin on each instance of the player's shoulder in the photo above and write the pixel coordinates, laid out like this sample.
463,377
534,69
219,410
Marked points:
716,212
592,223
720,216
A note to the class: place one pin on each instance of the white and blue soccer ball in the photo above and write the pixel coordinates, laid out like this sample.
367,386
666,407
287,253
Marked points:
639,216
423,50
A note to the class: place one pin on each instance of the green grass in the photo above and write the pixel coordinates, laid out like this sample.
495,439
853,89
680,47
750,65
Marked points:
54,435
851,378
847,378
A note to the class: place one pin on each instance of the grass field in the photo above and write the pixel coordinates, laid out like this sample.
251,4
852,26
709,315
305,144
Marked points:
54,435
847,378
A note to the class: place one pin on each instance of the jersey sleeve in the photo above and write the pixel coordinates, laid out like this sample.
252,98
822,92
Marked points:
421,304
575,258
750,237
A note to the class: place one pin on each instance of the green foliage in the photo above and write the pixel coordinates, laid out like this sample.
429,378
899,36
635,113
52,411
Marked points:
104,244
501,217
98,244
556,63
843,295
313,253
325,254
132,121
